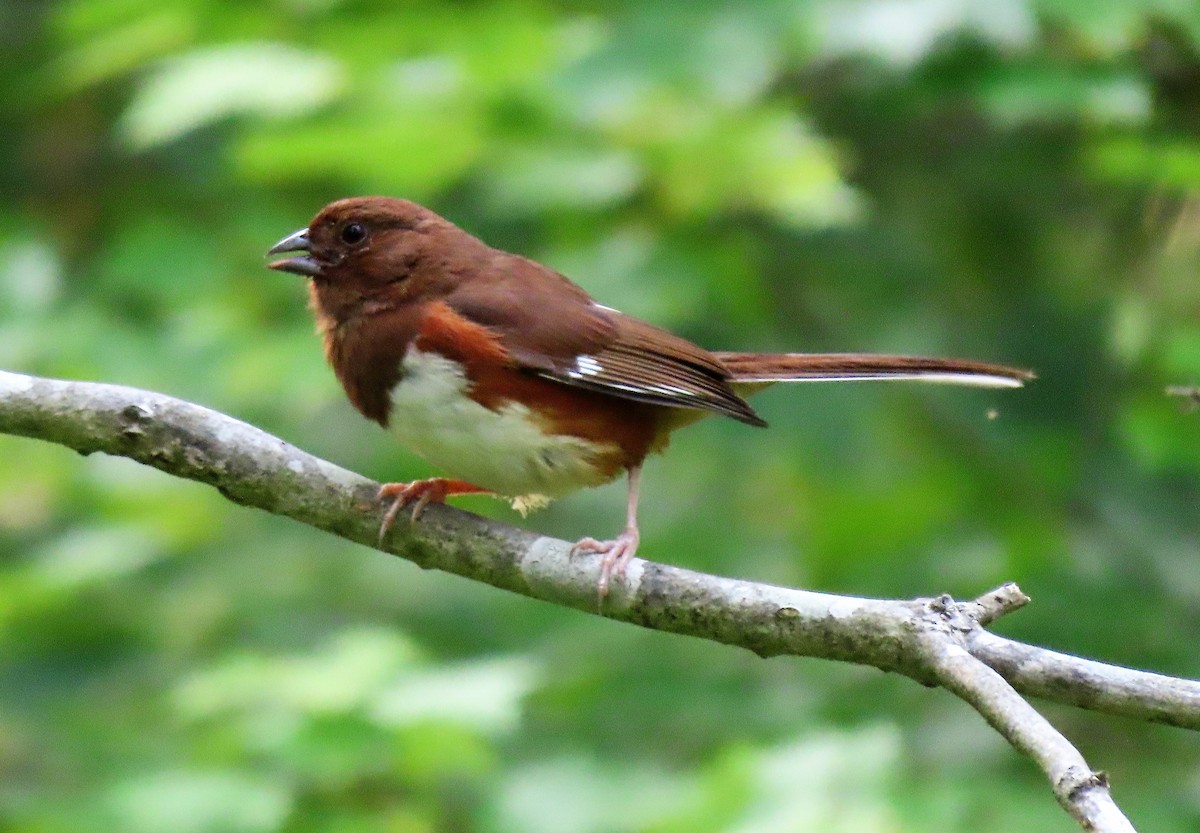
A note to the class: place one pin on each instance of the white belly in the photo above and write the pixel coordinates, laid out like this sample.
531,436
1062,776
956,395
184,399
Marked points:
504,451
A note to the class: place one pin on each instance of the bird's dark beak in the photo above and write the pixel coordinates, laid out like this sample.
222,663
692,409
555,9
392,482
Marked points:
295,242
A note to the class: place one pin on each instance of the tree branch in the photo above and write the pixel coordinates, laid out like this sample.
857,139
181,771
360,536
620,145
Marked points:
1081,792
936,642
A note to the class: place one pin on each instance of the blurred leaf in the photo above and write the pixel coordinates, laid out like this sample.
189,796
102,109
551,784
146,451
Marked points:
87,557
577,795
344,675
1040,93
903,32
538,179
772,163
486,695
1142,160
119,49
264,79
199,802
835,782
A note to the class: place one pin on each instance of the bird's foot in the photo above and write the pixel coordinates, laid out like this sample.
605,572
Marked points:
420,493
616,553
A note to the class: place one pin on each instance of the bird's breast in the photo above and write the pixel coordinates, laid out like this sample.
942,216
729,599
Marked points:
470,429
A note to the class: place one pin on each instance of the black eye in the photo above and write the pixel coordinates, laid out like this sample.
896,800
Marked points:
354,233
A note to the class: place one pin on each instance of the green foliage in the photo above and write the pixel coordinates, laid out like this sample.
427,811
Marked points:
1012,181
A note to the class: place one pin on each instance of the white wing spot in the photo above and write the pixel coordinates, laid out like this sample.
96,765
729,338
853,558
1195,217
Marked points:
586,366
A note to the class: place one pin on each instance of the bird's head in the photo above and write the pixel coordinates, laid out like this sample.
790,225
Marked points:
367,254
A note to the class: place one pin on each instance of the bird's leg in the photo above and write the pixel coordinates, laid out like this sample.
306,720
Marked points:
423,493
618,552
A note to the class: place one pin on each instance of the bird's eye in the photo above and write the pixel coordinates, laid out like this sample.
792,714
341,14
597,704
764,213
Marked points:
354,233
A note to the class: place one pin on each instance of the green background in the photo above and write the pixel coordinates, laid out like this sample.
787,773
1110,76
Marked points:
1013,181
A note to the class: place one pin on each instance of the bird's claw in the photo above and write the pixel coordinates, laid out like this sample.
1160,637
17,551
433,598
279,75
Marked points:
420,493
615,556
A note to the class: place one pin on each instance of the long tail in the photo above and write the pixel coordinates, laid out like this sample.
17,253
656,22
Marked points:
755,369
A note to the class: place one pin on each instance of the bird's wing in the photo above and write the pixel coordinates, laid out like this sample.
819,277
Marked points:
550,327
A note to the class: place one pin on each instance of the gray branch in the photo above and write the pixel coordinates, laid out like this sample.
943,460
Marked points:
1082,793
933,641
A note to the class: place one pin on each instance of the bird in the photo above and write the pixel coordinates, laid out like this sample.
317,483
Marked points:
513,380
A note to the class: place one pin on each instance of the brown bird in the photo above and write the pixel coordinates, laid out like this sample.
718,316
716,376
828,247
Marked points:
510,378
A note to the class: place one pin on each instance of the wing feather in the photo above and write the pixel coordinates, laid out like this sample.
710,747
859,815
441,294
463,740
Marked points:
566,337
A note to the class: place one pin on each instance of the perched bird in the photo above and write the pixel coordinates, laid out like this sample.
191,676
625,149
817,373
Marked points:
511,379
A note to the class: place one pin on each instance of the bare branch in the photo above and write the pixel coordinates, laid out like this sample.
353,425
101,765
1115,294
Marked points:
996,603
1081,792
938,642
1088,684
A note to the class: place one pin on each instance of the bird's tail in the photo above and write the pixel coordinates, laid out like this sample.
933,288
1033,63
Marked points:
754,370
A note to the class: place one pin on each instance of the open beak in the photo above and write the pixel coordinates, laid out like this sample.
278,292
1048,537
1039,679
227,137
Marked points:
294,242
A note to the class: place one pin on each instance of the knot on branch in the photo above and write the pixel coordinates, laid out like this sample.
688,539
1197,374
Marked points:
947,615
134,419
1077,780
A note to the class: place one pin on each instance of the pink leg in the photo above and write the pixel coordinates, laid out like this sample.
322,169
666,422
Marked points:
422,493
618,552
